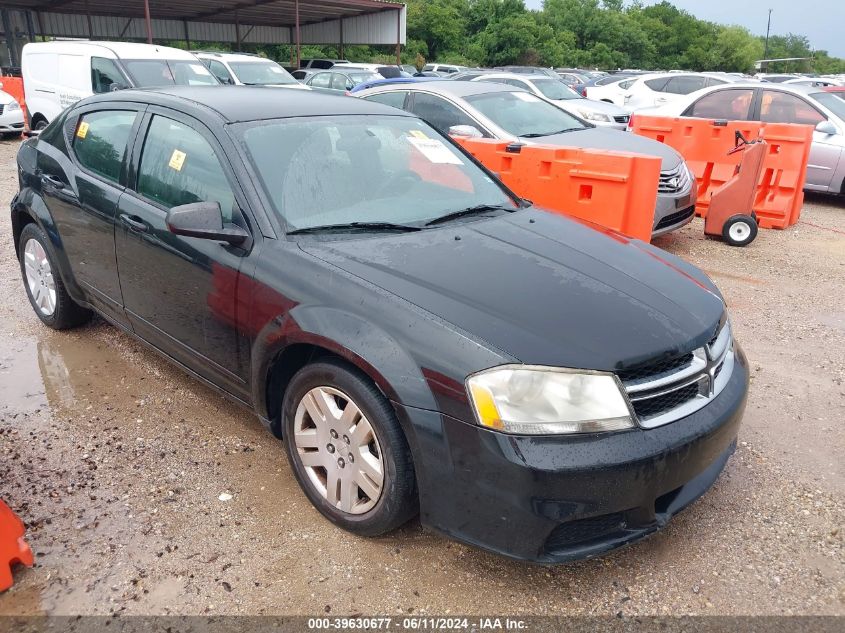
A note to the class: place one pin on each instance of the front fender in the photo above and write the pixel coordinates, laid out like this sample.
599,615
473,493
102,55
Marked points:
359,341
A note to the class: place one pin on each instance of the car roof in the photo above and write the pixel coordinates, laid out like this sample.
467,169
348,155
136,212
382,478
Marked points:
122,50
231,57
449,88
249,103
519,76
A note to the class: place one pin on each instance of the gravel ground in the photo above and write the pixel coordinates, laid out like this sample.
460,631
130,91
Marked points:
115,460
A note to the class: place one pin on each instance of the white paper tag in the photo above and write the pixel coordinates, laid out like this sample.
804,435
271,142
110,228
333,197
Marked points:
435,151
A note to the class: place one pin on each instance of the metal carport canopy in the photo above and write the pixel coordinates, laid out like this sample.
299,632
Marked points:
244,21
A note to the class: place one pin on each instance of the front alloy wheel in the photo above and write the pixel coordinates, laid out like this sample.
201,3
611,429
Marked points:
347,450
39,277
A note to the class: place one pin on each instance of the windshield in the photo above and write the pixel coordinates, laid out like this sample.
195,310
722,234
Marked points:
168,72
555,89
523,114
261,73
833,101
319,171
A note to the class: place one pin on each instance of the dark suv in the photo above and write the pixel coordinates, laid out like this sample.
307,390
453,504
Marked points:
423,340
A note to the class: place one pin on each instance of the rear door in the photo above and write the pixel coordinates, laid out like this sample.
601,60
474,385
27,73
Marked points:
83,201
180,293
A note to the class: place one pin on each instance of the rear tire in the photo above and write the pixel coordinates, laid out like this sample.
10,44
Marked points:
739,230
339,430
43,283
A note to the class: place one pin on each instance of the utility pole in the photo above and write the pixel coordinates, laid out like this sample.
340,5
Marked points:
768,27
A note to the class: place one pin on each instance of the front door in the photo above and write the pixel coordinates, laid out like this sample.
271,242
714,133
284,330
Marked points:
179,292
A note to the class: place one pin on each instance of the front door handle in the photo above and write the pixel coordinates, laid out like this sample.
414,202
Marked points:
134,223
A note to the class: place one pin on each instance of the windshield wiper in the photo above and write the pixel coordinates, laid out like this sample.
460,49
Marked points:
474,210
347,226
539,134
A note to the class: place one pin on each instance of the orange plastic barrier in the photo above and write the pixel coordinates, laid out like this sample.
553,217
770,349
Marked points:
616,190
13,547
14,86
704,144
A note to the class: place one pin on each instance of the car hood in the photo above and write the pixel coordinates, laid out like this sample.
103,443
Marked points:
603,138
543,289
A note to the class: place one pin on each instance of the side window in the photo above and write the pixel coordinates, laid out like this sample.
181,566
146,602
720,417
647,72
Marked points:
685,84
178,166
428,67
339,82
714,81
100,141
658,84
104,74
733,105
439,113
626,84
782,107
219,70
395,99
321,80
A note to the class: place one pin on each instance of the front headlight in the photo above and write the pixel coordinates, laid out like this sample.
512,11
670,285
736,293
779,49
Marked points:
12,105
533,400
592,115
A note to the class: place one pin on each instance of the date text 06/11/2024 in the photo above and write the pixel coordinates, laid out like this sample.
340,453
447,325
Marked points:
418,623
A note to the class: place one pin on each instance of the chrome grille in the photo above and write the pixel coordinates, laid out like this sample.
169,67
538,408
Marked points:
668,390
674,180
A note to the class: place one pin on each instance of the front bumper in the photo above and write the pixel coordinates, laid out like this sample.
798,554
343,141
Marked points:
11,121
552,499
674,210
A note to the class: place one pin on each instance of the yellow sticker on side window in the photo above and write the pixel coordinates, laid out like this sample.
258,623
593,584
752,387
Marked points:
418,134
177,159
82,130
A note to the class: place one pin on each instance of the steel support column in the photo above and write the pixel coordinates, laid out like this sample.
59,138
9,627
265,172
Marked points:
298,38
148,21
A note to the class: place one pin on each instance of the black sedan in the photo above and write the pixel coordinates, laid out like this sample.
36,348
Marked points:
424,341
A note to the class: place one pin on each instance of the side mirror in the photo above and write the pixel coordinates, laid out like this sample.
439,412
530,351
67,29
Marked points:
465,131
203,220
114,87
826,127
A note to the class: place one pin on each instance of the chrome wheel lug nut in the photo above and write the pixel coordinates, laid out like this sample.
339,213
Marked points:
351,458
340,462
330,448
333,433
346,439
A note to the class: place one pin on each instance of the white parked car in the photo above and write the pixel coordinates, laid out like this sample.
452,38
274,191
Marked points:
60,73
779,103
11,115
647,91
446,69
239,69
555,90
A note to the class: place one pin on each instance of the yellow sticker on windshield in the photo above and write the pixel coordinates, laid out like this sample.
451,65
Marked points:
82,130
177,159
418,134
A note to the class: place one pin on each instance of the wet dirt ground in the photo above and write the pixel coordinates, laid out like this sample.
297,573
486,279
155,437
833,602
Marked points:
116,461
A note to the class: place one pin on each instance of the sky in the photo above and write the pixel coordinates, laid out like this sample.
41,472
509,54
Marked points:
822,21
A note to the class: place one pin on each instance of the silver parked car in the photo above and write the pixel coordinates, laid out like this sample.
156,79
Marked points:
598,113
779,103
498,111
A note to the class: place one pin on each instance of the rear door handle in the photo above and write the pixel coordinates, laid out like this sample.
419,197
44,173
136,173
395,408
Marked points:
52,181
134,223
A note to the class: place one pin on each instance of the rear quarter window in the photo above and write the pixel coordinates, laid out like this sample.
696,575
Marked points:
100,141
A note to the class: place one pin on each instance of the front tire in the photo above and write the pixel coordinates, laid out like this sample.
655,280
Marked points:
739,230
347,450
47,294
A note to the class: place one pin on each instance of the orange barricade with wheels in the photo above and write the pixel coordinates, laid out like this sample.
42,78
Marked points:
13,547
616,190
14,86
705,145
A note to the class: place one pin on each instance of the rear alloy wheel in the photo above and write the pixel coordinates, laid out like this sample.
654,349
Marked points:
347,450
43,284
739,230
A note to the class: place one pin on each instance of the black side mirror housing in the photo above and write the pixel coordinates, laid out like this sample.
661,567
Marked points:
203,220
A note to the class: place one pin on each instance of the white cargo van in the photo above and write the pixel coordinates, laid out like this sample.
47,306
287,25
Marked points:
59,73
